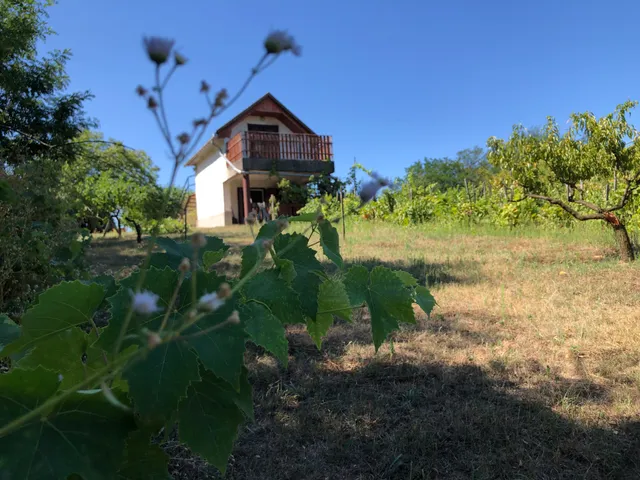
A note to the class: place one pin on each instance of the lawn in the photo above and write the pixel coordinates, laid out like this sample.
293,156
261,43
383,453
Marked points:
529,367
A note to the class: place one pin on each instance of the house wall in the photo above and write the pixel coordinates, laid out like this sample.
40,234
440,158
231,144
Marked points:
242,126
211,173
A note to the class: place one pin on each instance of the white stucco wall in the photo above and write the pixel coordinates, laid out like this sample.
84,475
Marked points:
211,173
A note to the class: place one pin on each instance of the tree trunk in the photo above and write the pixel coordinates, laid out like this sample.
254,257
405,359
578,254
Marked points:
624,243
138,228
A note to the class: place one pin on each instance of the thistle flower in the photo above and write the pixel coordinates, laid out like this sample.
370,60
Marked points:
158,49
279,41
204,87
145,302
210,302
221,96
141,91
198,240
185,265
183,138
179,59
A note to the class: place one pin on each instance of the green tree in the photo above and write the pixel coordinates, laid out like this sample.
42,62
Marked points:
572,169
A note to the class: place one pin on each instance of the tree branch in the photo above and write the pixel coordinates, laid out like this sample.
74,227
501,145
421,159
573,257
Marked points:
567,208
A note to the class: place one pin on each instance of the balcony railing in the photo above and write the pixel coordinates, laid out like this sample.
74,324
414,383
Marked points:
279,146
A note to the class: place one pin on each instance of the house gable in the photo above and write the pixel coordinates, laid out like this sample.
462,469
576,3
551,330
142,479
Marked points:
267,106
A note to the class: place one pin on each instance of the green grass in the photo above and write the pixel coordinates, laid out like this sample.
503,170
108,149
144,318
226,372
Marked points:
529,368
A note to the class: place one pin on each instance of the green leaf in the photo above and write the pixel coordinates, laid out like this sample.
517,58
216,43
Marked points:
210,417
69,353
159,380
160,282
108,284
6,192
176,251
287,270
330,242
9,331
332,300
268,231
357,284
304,217
406,278
268,288
213,257
425,300
388,299
294,247
143,461
83,435
59,308
251,256
265,330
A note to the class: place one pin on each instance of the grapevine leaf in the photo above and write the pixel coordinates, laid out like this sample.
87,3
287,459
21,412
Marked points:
251,256
304,217
287,270
425,300
212,257
206,282
406,278
108,284
305,264
330,242
83,435
388,299
220,350
332,300
268,231
69,354
210,417
356,283
143,461
160,282
59,308
176,251
159,380
265,330
268,288
9,331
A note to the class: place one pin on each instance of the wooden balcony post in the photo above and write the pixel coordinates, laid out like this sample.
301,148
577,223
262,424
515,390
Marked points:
246,195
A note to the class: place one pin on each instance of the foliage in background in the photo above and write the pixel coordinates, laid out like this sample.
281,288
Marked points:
40,243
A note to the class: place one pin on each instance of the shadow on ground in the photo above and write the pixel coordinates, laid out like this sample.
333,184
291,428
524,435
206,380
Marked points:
407,421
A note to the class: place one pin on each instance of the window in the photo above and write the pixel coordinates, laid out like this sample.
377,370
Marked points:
252,127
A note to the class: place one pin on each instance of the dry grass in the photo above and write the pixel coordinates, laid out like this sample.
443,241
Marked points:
528,368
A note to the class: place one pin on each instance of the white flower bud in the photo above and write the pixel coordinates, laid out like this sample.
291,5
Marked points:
185,265
198,240
153,340
234,318
145,302
210,302
158,49
224,290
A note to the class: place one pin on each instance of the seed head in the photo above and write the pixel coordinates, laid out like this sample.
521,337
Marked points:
183,138
153,340
199,122
279,41
198,240
145,302
251,218
179,58
141,91
158,49
234,318
204,87
282,224
224,290
210,302
185,265
221,96
151,103
267,243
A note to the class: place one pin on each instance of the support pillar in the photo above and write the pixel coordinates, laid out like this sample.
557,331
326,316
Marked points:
246,195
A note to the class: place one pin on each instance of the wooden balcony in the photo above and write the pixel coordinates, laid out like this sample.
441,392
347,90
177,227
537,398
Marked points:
287,152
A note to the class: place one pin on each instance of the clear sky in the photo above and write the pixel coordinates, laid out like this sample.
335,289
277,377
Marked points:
393,81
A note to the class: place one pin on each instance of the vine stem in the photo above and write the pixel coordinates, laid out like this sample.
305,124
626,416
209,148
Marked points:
110,369
172,302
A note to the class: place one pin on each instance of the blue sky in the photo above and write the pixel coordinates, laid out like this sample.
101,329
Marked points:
392,81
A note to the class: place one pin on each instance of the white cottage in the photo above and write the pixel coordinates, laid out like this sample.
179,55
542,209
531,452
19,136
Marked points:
242,163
